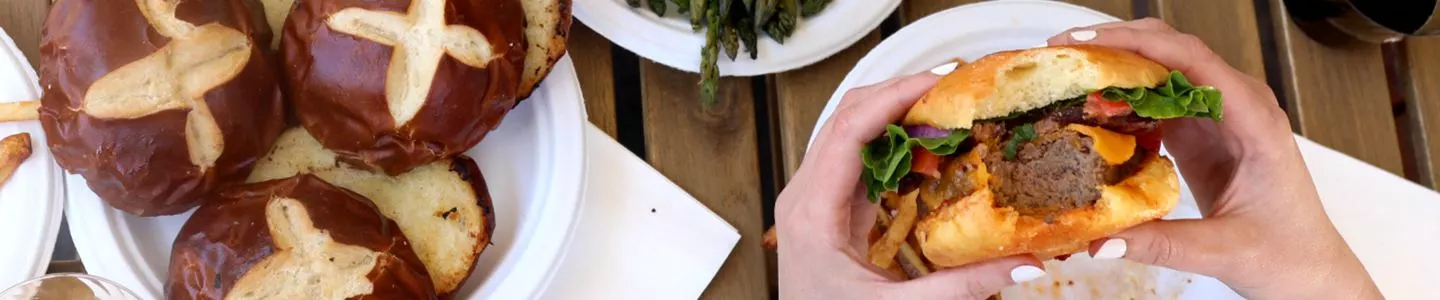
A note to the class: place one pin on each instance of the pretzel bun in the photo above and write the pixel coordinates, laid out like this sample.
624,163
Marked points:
371,88
1021,80
443,206
158,102
293,238
547,27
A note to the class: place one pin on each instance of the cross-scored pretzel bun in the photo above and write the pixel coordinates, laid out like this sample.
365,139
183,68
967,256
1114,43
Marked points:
394,84
293,238
443,207
158,102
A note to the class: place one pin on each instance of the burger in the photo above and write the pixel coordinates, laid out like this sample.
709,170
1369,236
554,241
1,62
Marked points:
1036,151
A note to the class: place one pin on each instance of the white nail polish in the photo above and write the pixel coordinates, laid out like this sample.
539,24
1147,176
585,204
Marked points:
1025,273
945,69
1083,35
1111,249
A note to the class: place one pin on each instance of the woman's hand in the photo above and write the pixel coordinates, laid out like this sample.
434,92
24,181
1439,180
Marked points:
1265,233
823,217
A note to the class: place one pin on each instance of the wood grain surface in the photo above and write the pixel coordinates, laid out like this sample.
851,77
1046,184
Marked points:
711,153
1423,99
591,54
22,20
1338,96
1227,26
916,9
801,94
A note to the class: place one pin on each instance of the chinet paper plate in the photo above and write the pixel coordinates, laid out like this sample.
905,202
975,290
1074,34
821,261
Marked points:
31,201
972,31
669,40
534,164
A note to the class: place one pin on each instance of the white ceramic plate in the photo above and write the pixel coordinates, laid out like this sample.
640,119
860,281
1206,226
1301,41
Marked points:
533,163
31,201
972,31
670,41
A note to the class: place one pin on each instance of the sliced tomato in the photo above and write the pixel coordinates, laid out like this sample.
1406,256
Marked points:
924,162
1150,140
1098,107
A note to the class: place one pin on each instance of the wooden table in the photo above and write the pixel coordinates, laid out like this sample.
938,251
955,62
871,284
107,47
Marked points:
1380,104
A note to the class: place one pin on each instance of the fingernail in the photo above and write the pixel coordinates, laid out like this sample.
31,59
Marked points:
1025,273
1111,249
945,69
1083,35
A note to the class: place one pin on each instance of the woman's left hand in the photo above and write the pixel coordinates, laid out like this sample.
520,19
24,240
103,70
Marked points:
823,218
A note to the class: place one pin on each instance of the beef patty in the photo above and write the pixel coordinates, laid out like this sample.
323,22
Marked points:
1056,172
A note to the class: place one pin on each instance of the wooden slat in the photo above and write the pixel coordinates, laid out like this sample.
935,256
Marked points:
22,20
593,63
711,153
913,10
1337,96
801,95
1236,39
916,9
1424,101
1123,9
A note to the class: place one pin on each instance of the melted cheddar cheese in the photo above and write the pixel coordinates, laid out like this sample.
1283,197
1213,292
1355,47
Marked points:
1115,148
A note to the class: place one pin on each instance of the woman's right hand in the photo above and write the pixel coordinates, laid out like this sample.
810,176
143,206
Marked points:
1264,231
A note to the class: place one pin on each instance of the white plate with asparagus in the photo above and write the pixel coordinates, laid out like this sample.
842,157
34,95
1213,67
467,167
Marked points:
756,37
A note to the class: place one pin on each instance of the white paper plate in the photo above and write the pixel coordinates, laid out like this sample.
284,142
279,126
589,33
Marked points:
972,31
31,201
534,165
670,41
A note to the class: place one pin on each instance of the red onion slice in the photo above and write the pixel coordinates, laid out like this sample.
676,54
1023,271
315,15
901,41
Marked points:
925,131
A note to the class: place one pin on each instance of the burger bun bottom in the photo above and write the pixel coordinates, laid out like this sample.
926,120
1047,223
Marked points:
972,228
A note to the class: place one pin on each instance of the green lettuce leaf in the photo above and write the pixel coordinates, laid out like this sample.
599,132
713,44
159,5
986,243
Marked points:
887,158
1176,99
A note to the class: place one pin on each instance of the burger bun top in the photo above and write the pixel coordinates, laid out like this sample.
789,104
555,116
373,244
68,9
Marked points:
1021,80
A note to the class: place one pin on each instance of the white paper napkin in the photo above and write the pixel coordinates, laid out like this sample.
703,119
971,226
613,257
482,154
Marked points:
640,236
1392,224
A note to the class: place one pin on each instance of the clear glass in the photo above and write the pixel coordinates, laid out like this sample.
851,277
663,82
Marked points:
68,286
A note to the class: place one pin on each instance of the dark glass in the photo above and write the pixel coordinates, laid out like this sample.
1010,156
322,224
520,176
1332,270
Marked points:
1405,16
1349,21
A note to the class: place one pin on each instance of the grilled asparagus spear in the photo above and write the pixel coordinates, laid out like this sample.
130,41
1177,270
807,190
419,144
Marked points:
709,69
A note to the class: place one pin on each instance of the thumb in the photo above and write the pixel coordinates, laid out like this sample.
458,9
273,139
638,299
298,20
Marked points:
1190,245
973,281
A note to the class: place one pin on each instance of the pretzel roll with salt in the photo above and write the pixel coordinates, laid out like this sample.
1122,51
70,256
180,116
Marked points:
158,102
393,84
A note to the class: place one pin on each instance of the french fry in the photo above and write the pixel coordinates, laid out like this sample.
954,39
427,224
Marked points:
882,253
913,259
14,149
769,240
907,251
19,111
892,200
878,231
